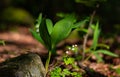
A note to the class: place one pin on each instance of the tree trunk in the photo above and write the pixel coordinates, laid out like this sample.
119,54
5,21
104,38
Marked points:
27,65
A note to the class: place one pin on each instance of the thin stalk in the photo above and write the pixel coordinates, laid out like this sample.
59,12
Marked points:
88,33
48,61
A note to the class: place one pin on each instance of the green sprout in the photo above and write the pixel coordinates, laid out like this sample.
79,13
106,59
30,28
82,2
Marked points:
93,49
50,35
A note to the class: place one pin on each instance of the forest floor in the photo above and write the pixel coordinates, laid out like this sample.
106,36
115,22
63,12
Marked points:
20,41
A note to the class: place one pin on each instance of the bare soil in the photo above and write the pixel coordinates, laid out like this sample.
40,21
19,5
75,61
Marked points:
20,41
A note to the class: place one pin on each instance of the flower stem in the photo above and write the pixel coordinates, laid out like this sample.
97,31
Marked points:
48,61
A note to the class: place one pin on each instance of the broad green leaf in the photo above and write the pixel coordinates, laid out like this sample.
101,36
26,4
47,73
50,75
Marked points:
96,36
60,31
36,36
106,52
80,24
49,25
45,34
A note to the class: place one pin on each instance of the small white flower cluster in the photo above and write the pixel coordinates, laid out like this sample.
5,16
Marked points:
73,47
37,27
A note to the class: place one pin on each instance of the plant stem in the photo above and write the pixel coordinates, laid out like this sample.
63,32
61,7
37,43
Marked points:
47,62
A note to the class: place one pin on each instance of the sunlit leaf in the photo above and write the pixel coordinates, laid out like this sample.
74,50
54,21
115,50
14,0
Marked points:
49,25
61,30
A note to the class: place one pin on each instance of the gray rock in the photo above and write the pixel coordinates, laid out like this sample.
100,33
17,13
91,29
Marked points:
27,65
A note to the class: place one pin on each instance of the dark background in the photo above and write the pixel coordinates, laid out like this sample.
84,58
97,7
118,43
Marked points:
108,12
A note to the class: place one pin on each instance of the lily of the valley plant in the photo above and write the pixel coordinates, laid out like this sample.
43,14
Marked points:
50,35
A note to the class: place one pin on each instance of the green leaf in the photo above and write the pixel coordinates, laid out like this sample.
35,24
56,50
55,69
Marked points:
45,34
68,60
96,36
56,72
80,24
65,73
106,52
49,25
36,36
61,30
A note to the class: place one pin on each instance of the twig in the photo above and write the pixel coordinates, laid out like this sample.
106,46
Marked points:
88,33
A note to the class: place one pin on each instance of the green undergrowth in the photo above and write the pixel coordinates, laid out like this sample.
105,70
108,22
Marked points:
51,34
